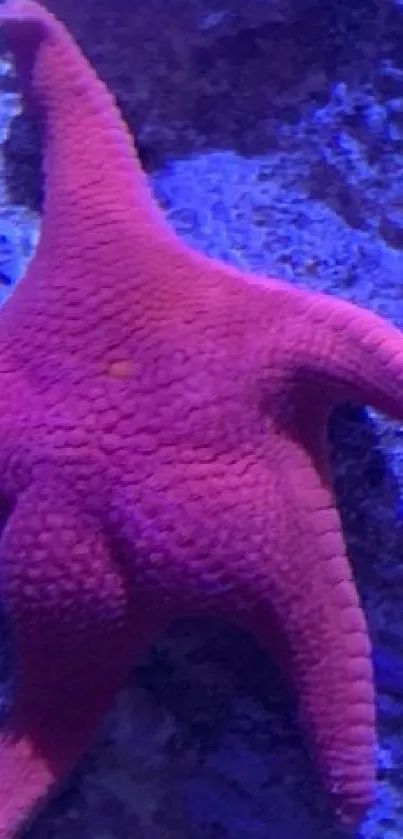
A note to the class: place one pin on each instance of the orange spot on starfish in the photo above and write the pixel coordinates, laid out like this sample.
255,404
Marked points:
122,369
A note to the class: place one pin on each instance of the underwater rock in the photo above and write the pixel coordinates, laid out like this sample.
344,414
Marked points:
181,84
9,259
391,228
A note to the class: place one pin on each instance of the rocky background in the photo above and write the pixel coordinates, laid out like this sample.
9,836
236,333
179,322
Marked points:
272,132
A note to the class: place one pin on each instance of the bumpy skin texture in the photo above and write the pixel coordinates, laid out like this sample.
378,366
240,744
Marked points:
162,451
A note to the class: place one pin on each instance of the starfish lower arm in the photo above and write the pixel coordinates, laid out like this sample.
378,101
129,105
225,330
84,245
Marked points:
76,630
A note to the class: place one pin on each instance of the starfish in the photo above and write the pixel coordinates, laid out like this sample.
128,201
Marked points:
163,451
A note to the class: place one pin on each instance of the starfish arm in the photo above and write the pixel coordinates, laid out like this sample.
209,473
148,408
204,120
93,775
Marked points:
326,629
105,246
297,596
88,148
75,640
350,353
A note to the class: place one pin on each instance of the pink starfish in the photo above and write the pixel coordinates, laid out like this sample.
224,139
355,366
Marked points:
163,451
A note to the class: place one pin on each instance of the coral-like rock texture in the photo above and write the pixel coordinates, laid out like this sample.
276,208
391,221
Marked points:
163,451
